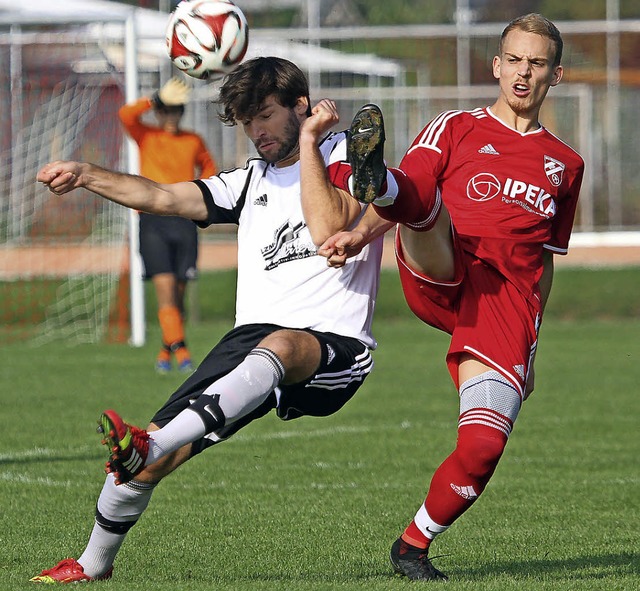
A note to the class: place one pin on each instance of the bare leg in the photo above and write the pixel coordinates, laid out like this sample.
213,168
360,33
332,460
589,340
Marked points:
430,253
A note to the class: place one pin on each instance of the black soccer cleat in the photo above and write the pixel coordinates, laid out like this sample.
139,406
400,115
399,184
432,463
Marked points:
413,563
365,153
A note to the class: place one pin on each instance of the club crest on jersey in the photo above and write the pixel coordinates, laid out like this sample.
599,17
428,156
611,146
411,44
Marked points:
553,169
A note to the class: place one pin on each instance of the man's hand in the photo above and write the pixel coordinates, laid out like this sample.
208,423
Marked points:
341,246
173,94
61,177
324,116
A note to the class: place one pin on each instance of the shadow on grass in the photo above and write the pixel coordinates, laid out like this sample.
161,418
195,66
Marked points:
36,458
582,567
587,568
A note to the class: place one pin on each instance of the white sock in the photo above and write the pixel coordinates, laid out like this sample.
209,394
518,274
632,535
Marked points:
183,429
123,505
389,196
248,385
100,552
241,391
391,193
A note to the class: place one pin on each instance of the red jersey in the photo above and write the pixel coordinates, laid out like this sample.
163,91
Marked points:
509,194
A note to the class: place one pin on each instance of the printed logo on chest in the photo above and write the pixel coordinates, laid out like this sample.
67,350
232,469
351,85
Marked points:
485,186
289,244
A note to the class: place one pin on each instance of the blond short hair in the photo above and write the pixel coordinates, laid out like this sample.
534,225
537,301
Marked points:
538,24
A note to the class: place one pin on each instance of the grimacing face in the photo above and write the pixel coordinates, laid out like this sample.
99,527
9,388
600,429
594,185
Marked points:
525,71
275,132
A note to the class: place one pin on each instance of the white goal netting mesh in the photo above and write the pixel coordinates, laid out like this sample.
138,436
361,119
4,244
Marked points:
61,258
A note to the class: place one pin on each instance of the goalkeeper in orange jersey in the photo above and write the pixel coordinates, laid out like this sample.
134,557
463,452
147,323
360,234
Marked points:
168,244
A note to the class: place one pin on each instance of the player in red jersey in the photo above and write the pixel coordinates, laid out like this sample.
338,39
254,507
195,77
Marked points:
483,199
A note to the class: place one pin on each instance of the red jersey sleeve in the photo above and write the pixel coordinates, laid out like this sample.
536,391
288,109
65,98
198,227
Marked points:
428,155
563,221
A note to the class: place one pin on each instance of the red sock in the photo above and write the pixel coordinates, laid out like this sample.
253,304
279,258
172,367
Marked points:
462,477
412,535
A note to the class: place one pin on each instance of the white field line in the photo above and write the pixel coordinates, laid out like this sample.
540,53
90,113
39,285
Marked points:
39,452
40,481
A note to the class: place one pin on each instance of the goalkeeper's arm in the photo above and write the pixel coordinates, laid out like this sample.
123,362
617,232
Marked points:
137,192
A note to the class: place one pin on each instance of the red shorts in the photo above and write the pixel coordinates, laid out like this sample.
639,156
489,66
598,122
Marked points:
486,316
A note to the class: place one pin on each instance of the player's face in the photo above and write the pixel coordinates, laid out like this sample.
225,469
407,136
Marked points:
275,132
525,71
169,120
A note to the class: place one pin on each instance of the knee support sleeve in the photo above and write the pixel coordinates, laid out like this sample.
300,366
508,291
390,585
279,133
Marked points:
489,404
208,409
489,399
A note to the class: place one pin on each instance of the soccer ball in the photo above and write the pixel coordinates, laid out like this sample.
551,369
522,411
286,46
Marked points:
207,38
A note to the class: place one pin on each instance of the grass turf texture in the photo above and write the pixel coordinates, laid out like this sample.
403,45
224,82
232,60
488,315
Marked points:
314,504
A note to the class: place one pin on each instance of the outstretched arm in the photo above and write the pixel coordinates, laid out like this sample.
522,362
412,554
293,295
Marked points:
326,208
343,245
137,192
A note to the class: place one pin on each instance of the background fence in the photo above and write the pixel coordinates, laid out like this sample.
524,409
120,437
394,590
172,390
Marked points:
62,260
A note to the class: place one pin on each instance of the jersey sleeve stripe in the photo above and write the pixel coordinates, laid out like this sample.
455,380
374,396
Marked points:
556,249
437,127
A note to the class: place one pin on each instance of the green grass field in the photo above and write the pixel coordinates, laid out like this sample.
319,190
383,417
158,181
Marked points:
314,504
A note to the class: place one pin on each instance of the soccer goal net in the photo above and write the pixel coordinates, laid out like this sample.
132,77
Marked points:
63,260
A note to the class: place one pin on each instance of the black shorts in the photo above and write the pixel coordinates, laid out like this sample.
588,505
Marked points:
168,244
345,364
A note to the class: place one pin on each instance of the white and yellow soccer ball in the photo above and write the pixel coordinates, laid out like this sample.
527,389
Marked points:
207,38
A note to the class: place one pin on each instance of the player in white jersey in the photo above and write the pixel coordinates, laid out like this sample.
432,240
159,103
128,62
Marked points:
302,338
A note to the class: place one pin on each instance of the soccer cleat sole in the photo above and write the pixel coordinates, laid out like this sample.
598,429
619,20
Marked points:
364,152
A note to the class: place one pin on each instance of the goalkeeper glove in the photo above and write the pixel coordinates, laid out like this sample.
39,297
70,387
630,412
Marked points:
174,93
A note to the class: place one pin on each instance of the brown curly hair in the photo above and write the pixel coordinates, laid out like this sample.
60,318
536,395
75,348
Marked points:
245,89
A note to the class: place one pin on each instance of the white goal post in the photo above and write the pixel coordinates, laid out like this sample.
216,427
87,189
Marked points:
63,260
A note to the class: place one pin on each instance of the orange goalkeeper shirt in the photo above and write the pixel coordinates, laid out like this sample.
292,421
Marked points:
166,157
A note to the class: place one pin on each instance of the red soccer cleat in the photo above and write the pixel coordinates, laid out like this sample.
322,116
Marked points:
68,570
128,446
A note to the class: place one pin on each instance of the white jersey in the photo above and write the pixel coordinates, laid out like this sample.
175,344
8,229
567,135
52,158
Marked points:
281,278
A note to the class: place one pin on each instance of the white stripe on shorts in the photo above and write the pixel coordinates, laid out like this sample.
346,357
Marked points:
341,379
